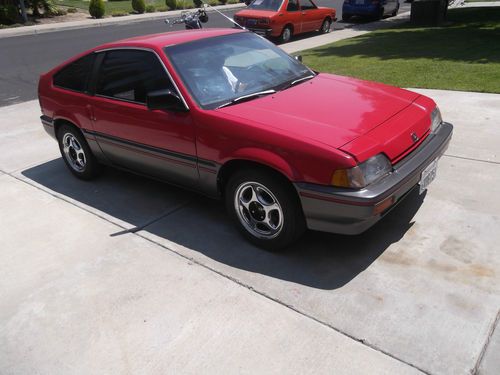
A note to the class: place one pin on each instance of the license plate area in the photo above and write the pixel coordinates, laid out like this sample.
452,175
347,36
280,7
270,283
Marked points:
427,176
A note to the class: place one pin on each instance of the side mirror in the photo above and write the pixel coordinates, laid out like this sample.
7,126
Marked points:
165,99
298,58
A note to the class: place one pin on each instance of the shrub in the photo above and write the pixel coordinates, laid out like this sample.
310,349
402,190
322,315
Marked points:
57,12
8,14
118,13
96,8
223,2
188,5
72,10
213,2
150,8
171,4
233,2
162,9
46,5
197,3
139,6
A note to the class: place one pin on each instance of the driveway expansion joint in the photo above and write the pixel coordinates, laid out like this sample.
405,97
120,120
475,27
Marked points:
169,212
494,325
472,159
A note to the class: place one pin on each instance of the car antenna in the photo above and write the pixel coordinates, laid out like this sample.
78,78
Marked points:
223,15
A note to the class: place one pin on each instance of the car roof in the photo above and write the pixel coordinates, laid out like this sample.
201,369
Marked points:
169,38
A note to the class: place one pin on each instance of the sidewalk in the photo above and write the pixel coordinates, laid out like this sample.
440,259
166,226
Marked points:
47,28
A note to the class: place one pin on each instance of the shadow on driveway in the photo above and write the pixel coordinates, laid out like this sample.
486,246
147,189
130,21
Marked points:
318,260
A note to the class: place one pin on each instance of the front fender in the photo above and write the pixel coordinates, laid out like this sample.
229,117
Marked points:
268,158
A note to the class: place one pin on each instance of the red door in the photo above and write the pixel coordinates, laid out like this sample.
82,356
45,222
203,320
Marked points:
311,21
293,15
158,143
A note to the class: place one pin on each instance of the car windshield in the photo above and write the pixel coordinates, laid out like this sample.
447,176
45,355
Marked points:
265,4
220,70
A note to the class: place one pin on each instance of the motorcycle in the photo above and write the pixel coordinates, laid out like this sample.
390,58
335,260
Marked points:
192,20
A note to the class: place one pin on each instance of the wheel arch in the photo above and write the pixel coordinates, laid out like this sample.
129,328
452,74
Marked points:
59,121
290,25
255,158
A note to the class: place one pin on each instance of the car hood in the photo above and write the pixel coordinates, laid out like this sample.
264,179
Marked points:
330,109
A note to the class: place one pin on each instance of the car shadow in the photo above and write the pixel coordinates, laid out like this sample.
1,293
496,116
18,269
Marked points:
318,260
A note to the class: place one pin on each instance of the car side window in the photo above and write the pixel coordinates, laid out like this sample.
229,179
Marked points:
76,75
130,75
293,6
307,4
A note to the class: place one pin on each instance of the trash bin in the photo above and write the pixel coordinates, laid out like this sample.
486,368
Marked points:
428,12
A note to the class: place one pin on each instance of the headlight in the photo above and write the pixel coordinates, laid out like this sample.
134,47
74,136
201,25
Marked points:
436,119
363,174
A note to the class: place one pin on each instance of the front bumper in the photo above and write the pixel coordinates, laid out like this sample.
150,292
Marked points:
348,211
261,32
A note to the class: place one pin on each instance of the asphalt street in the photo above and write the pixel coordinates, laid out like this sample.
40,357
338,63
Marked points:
24,58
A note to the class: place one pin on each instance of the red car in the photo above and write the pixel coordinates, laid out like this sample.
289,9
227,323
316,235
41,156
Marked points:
284,18
228,114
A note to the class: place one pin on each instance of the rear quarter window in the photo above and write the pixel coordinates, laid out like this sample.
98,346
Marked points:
75,76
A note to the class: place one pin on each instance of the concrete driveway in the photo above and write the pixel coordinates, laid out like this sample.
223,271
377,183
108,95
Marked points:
128,275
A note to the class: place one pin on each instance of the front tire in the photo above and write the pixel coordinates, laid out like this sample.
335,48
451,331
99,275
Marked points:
76,153
265,208
326,26
286,34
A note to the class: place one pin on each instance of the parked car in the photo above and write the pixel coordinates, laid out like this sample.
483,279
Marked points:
226,113
369,8
284,18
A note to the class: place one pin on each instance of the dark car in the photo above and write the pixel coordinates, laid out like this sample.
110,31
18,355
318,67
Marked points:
369,8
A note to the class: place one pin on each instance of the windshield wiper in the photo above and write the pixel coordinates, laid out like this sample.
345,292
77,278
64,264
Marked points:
300,80
247,97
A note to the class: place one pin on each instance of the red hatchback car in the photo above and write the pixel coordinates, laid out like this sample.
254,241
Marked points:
228,114
284,18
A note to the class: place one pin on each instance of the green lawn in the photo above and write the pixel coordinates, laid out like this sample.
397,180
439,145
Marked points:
115,6
464,55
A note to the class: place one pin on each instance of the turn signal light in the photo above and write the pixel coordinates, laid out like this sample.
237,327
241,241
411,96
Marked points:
340,178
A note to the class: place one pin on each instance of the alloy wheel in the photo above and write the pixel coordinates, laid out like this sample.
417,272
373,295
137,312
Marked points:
258,210
74,153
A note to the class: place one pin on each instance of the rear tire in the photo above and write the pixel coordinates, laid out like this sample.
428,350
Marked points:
76,153
326,26
265,208
380,14
394,14
286,34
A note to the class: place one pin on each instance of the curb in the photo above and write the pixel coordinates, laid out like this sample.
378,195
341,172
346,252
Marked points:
72,25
